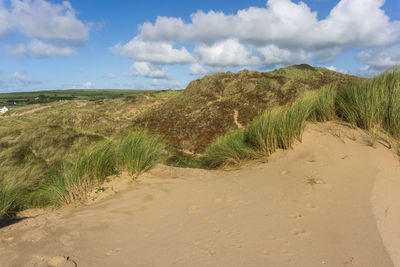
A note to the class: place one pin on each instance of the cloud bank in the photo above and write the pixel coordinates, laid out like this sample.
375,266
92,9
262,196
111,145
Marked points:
282,32
53,29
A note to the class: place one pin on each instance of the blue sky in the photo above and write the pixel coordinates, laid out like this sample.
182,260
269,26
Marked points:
152,44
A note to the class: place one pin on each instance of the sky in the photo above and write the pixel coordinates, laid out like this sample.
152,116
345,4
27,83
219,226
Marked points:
132,44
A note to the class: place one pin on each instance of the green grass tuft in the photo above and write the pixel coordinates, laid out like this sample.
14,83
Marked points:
373,104
12,197
228,150
138,151
324,105
98,162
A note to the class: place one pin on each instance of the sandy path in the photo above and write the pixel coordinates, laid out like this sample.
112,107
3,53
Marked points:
306,207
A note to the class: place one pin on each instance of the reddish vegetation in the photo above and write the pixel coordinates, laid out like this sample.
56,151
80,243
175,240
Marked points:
205,110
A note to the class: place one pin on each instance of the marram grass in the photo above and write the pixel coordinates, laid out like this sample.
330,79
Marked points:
229,149
372,104
12,194
134,152
369,105
138,151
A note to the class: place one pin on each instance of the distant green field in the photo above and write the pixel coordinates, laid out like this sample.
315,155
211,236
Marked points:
39,97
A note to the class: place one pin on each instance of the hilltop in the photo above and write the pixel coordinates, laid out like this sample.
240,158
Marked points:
53,150
216,104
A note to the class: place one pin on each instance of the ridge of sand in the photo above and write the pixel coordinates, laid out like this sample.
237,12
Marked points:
311,206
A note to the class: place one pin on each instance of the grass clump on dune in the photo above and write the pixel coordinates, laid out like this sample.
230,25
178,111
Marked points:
138,151
12,195
134,152
323,107
61,188
276,128
370,105
373,104
279,127
229,149
98,162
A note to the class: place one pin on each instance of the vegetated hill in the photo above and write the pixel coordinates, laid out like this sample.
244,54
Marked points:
37,140
215,104
13,100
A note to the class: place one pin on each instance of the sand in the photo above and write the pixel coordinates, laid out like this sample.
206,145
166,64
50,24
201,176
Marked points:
332,201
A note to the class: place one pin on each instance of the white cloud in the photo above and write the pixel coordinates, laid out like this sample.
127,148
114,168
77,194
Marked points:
153,52
282,32
272,54
84,85
3,19
165,84
42,19
197,69
54,29
23,78
19,76
283,23
110,76
149,70
226,53
39,49
366,71
360,23
381,58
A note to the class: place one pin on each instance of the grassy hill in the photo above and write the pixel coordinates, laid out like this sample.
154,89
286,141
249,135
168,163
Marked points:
55,153
216,104
37,141
12,100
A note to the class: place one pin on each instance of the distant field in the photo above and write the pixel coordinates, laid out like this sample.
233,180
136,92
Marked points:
40,97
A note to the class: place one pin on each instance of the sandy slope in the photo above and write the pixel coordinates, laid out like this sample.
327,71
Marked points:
313,206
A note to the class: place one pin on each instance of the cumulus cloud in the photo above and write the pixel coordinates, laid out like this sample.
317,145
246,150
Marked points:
3,19
54,29
153,52
149,70
381,58
84,85
284,23
39,49
41,19
282,32
165,84
23,78
272,54
226,53
110,76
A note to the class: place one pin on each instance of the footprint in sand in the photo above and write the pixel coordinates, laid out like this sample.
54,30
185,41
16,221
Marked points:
34,235
299,233
223,199
349,262
57,261
312,206
193,209
66,241
114,252
298,216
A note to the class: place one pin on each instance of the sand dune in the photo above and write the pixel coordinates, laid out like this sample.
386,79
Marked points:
331,201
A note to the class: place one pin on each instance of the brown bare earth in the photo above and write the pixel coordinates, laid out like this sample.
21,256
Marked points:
332,201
